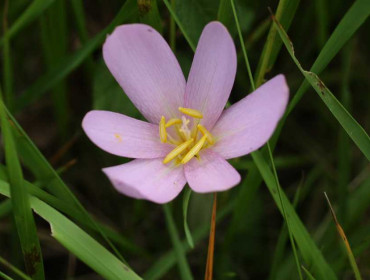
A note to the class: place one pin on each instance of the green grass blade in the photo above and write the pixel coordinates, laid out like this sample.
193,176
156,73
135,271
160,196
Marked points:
309,251
49,177
185,271
79,242
35,9
71,62
149,14
163,264
309,275
185,206
15,270
24,221
284,213
285,13
344,238
7,66
180,25
242,45
54,45
352,20
4,276
350,125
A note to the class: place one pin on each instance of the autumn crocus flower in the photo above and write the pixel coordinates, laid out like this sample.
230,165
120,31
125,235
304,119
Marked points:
189,136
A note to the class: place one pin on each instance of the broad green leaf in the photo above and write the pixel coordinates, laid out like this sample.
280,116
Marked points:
350,125
25,224
79,242
307,247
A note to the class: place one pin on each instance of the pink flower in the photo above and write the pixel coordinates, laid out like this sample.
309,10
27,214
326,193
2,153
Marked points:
189,136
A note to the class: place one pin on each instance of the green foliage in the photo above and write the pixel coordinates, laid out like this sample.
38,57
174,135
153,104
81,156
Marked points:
53,73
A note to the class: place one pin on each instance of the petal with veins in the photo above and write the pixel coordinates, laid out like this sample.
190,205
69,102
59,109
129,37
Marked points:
212,73
124,136
147,70
147,179
248,124
210,173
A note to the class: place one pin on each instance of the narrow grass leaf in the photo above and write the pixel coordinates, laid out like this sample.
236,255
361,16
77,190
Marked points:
71,62
185,205
285,13
352,20
176,242
309,275
180,25
48,177
168,260
24,221
34,10
7,66
350,125
284,213
15,270
149,14
309,251
340,230
79,242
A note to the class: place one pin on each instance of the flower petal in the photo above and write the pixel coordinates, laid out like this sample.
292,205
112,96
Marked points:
147,179
147,70
248,124
210,173
212,73
124,136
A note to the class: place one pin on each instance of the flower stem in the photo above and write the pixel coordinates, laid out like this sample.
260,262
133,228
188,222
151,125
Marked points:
211,242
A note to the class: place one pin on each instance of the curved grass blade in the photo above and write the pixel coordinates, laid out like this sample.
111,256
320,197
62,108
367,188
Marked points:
35,9
350,125
309,275
71,62
25,224
14,269
285,13
340,230
185,205
79,242
185,271
309,251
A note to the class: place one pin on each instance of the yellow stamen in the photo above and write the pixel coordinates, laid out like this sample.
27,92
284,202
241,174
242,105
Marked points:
191,112
171,122
162,130
177,151
205,132
197,147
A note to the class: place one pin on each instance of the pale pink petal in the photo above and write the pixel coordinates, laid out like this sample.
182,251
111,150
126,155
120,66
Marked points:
210,173
248,124
124,136
147,179
212,73
147,70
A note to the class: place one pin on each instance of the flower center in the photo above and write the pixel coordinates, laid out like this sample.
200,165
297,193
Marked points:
187,135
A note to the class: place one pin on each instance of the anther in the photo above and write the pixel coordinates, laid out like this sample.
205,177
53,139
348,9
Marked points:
197,147
172,122
162,130
205,132
177,151
191,112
